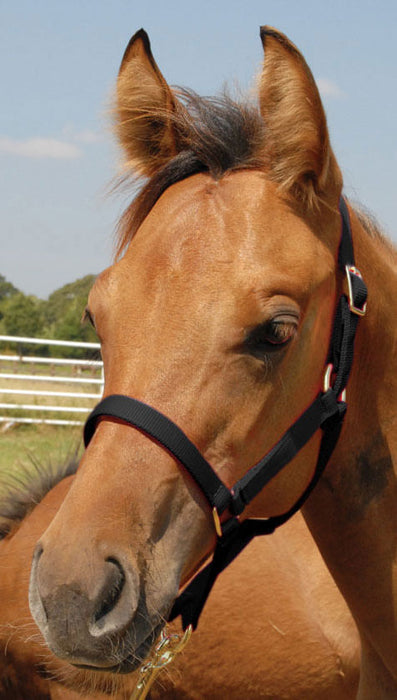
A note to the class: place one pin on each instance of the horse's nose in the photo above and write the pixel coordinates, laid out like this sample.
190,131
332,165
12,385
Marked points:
83,617
106,613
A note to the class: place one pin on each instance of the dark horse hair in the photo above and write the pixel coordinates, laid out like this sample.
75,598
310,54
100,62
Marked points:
22,490
215,134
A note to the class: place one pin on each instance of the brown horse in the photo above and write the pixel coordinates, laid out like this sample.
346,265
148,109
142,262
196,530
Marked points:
300,636
219,313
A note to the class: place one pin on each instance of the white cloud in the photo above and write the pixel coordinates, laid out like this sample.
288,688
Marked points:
40,148
328,88
88,136
85,136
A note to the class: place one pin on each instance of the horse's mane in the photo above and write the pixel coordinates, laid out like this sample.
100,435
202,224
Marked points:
372,227
23,490
220,134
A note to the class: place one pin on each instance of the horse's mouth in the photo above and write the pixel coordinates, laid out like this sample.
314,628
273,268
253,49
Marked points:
133,660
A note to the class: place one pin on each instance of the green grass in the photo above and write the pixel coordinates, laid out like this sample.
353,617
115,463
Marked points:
22,445
46,444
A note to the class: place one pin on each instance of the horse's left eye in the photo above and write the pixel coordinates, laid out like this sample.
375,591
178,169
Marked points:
273,335
279,332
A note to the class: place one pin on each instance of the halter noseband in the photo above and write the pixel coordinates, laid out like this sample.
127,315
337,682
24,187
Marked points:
326,412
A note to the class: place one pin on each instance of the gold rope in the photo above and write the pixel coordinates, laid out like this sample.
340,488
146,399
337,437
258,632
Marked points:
164,653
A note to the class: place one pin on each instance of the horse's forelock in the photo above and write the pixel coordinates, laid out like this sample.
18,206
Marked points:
217,135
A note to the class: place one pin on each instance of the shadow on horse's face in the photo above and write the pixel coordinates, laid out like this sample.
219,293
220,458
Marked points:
219,315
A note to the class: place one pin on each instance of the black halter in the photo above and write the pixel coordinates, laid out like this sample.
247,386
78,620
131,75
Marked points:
326,412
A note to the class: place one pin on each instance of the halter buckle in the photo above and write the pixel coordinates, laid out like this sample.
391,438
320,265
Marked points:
217,522
327,382
352,271
227,527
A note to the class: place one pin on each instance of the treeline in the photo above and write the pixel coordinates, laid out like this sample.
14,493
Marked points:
58,317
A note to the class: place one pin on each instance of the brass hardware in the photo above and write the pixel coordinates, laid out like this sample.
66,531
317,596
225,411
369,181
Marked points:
351,270
164,653
217,522
327,382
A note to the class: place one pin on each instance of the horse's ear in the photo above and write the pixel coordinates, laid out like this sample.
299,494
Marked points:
298,152
144,109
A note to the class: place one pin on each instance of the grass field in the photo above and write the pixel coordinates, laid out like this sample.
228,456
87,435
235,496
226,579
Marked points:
21,445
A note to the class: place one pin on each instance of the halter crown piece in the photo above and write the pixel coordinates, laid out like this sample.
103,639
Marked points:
326,412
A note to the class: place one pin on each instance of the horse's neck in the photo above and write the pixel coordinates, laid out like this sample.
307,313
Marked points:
366,454
352,513
372,390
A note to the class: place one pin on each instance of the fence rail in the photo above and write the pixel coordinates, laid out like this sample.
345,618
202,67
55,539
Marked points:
49,360
14,384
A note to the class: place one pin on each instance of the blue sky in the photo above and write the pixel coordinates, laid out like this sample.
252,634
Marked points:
58,64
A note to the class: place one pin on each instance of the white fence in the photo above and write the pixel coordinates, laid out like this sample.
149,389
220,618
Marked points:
80,389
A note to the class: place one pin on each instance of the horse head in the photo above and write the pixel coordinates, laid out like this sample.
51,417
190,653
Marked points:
218,312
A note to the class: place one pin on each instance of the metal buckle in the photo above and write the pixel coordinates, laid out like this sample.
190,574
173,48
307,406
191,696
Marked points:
351,270
327,382
217,522
228,525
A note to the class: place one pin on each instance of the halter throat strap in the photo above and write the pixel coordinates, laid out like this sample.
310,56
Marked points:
326,411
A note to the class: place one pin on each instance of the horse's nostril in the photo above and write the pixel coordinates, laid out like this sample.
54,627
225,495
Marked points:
37,553
35,602
110,592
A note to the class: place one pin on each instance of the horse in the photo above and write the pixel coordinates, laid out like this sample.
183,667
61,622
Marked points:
302,623
218,314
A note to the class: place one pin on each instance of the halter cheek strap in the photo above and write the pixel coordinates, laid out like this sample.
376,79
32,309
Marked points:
326,412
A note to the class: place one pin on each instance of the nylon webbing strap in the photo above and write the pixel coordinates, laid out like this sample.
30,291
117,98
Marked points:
349,309
326,411
157,426
346,250
323,407
237,536
163,430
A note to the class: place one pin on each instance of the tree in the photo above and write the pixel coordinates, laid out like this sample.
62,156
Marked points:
65,297
22,316
63,313
59,317
7,289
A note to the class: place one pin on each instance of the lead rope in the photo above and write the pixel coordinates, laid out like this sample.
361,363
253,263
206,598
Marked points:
168,647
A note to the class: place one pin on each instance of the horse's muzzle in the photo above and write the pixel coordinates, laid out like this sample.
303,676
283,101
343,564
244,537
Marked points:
95,621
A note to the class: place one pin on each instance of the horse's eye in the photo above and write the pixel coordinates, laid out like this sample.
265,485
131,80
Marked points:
273,335
279,332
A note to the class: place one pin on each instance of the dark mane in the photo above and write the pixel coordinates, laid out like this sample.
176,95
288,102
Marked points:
372,227
23,490
219,134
